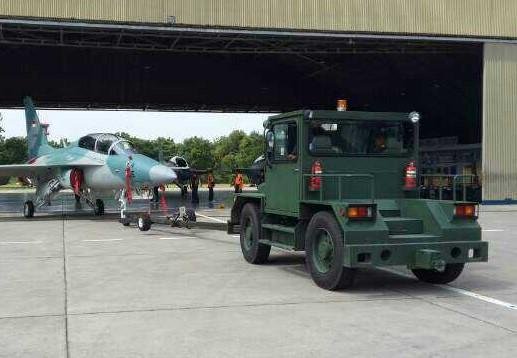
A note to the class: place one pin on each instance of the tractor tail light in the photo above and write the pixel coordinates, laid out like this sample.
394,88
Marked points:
315,181
465,211
410,176
361,212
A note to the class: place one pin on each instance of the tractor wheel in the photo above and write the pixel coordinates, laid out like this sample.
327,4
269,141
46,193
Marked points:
451,272
324,253
253,251
28,209
99,207
144,223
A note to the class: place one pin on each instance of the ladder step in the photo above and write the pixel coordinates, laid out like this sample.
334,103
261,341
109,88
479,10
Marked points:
414,238
277,244
281,228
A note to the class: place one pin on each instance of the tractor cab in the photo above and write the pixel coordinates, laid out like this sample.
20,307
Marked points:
356,155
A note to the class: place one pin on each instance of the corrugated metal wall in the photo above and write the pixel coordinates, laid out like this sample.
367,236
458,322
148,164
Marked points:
500,122
454,17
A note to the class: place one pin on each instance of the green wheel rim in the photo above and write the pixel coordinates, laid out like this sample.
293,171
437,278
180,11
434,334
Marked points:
248,235
323,251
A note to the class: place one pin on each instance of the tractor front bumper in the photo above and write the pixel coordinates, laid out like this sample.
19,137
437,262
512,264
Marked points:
416,255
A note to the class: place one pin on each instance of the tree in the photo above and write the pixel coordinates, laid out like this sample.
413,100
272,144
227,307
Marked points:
152,148
13,150
63,142
1,129
198,152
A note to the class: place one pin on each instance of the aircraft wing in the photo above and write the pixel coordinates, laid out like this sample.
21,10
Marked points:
21,170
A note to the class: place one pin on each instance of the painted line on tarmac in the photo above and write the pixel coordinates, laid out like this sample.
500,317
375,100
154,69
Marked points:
211,218
492,230
459,290
103,240
177,238
20,242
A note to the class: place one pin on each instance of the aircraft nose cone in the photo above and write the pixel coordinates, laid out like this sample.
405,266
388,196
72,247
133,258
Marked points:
160,174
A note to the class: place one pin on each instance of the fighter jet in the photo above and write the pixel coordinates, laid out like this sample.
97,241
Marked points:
183,172
94,164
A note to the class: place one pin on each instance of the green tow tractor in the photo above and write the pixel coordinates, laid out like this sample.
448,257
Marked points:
342,186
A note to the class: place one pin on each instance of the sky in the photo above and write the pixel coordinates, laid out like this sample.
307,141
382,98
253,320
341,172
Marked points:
148,125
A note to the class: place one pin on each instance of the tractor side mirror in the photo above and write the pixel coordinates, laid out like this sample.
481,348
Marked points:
270,144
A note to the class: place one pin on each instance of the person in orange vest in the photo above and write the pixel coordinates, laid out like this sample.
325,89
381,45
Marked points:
211,185
238,182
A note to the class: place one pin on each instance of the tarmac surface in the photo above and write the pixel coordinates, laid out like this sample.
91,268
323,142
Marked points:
89,287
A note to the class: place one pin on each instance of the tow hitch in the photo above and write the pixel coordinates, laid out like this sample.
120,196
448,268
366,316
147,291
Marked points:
429,259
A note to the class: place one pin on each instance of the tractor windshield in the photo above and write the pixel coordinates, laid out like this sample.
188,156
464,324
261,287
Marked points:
360,137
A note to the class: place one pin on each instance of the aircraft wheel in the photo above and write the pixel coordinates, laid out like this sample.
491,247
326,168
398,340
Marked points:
28,209
99,207
451,272
144,223
324,253
253,251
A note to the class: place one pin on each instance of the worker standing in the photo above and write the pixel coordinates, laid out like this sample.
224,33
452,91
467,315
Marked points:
238,183
194,186
211,185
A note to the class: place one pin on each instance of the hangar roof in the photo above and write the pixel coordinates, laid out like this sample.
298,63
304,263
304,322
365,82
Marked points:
460,18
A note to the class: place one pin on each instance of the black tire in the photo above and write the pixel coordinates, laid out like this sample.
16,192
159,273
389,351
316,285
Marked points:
144,223
253,251
184,190
451,272
126,224
28,209
99,207
324,253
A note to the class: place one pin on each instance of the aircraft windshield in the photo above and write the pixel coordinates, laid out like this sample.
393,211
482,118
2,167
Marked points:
107,144
122,147
361,138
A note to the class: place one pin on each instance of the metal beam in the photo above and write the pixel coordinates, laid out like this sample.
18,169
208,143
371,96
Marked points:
259,32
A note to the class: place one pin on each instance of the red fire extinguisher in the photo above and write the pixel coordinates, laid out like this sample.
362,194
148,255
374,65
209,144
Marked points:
410,176
315,181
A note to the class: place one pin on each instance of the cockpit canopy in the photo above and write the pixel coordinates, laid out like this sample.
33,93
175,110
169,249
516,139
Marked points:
108,144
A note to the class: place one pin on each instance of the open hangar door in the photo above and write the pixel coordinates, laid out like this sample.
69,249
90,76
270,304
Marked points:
244,71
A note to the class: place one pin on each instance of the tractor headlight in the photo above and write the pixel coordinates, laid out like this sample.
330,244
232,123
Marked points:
414,117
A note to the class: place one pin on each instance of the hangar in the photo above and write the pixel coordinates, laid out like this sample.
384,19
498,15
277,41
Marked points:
455,62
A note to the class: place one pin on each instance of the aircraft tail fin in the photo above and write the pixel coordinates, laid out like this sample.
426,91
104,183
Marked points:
37,143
